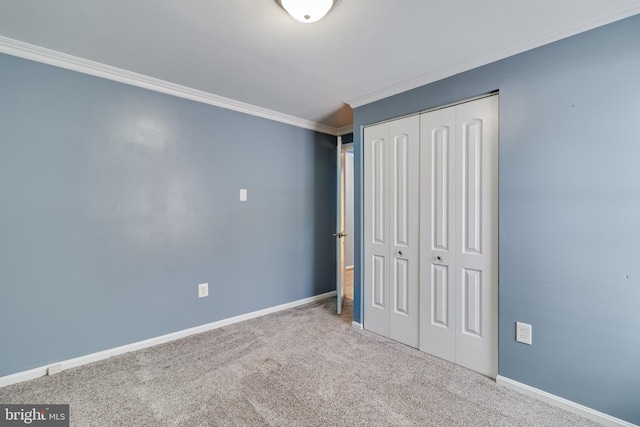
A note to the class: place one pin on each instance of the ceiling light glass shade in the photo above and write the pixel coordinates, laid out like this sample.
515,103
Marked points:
307,11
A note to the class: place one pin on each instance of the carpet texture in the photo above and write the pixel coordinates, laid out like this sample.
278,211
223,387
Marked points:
300,367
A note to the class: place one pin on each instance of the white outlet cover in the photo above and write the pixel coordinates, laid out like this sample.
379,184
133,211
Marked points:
524,332
243,194
203,290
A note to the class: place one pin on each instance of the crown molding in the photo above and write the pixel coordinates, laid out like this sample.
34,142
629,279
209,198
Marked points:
62,60
594,18
344,130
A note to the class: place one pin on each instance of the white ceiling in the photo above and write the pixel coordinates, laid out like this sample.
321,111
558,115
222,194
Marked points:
253,52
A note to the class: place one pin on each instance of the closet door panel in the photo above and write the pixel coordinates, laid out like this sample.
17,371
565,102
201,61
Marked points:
440,144
471,298
477,236
403,250
437,242
378,209
471,186
378,275
376,229
440,297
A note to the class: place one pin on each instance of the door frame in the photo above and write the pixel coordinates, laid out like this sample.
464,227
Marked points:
340,235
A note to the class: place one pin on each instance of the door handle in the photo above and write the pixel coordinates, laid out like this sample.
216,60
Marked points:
339,235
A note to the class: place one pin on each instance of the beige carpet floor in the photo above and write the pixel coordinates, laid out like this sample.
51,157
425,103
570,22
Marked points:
301,367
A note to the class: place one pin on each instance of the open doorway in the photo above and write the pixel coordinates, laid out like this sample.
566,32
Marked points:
348,220
344,225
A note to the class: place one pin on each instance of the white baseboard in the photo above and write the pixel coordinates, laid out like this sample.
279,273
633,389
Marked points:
565,404
357,325
90,358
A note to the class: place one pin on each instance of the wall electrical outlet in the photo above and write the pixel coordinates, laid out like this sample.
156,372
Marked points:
523,333
203,290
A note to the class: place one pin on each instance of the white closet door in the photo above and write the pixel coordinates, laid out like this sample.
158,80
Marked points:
459,234
376,229
477,235
437,233
391,169
404,235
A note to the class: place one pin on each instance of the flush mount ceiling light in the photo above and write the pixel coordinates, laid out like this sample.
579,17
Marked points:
307,11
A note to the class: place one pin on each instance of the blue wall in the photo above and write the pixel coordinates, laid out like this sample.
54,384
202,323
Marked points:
116,202
569,210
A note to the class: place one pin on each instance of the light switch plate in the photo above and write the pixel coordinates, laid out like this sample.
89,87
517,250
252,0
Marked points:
243,194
